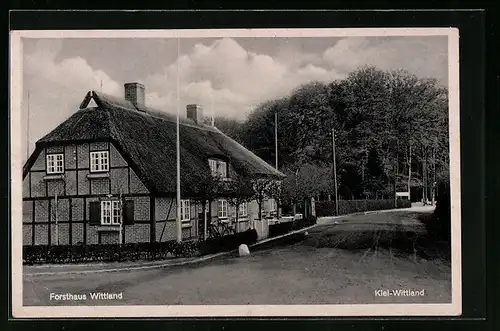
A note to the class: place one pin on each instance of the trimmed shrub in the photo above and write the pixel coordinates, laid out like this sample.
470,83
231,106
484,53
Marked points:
327,208
440,225
282,228
227,243
108,252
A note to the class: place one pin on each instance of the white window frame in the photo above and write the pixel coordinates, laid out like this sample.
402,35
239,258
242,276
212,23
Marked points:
99,161
243,209
222,208
111,212
200,207
272,203
185,210
218,168
55,163
213,166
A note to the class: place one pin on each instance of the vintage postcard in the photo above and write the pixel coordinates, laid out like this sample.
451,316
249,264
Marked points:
245,172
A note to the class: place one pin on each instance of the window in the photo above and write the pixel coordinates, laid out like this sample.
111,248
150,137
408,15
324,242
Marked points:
213,166
218,168
222,208
272,204
55,163
243,209
110,212
200,207
185,211
99,161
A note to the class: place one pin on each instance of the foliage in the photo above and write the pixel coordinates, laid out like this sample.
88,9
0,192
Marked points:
440,225
306,180
327,208
230,127
378,117
282,228
108,252
39,254
227,243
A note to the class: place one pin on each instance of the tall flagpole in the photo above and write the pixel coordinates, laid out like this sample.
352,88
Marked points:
213,119
335,173
179,226
57,222
276,137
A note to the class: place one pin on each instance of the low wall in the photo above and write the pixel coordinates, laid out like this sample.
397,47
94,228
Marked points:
262,228
327,208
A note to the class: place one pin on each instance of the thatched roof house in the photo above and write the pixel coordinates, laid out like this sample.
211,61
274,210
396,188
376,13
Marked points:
147,139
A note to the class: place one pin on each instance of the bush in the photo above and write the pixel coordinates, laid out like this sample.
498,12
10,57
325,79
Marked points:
327,208
227,243
282,228
108,252
440,225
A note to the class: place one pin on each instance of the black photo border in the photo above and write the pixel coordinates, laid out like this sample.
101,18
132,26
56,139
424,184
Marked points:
477,127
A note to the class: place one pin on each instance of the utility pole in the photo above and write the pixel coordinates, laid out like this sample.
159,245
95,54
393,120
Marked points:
409,174
57,224
335,173
434,176
179,226
121,216
276,137
212,121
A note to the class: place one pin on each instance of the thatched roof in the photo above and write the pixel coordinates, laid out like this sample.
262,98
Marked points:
147,139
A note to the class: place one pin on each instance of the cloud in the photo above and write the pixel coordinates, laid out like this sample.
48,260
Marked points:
221,75
233,77
56,88
425,57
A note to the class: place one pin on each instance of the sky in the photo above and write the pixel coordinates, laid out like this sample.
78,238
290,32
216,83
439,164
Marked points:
229,76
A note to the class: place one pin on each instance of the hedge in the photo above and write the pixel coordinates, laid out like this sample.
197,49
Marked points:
38,254
227,243
282,228
440,225
327,208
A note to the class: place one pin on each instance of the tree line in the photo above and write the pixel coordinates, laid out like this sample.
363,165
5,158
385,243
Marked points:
391,134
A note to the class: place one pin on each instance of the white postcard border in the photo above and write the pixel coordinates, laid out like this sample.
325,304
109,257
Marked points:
19,311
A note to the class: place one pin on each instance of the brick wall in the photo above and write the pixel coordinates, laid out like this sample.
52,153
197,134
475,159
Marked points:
78,233
70,157
115,157
83,156
99,186
37,185
71,182
27,211
137,233
76,184
39,163
136,186
27,234
83,182
141,208
41,237
119,180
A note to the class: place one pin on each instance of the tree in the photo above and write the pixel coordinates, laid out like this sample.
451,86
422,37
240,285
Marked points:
397,115
260,191
230,127
238,191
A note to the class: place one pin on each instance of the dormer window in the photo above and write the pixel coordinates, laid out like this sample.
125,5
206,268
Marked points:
99,161
218,168
55,163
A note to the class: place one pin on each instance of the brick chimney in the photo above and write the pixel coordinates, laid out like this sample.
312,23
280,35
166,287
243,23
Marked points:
195,113
135,93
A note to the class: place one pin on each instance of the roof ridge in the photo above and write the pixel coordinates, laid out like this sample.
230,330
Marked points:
149,111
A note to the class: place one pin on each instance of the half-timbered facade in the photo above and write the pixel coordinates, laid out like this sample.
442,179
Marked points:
107,175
